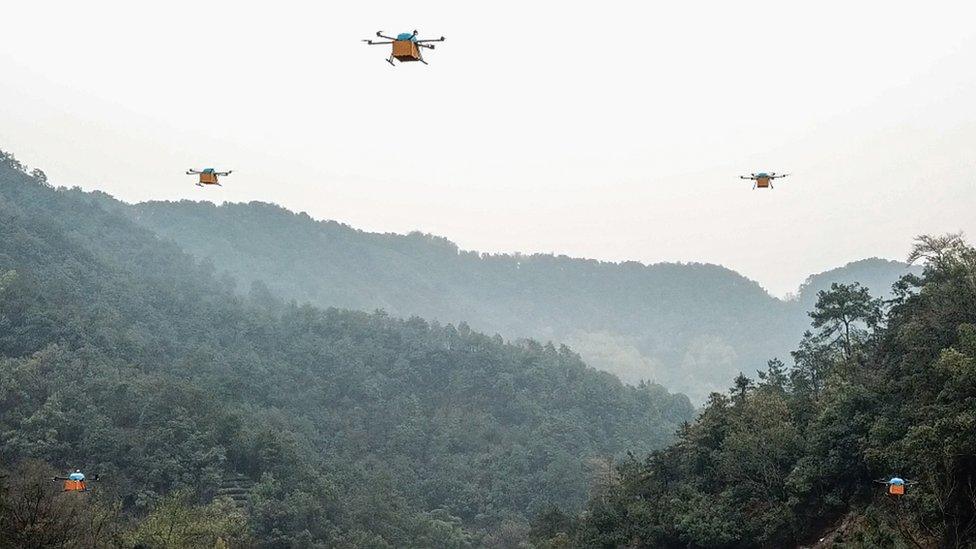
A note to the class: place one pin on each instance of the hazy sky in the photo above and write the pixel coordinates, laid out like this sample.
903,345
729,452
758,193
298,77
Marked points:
612,130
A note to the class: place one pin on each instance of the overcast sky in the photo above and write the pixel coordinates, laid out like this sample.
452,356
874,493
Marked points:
611,130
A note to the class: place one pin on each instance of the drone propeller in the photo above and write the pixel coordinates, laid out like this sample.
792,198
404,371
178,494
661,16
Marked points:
87,479
888,481
441,39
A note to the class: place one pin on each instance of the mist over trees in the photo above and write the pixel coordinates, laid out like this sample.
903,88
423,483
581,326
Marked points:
689,327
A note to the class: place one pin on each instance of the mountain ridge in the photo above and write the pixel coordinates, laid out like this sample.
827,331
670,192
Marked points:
689,326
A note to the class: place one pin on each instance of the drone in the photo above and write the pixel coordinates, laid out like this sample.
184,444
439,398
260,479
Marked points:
895,486
763,180
208,176
75,482
406,46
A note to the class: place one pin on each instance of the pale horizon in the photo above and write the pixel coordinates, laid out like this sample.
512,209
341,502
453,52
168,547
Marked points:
628,149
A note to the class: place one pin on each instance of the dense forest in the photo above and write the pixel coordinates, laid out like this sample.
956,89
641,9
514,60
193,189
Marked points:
124,356
793,456
221,411
689,327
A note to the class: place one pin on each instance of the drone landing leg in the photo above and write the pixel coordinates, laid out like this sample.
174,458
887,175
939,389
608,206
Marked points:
424,62
390,61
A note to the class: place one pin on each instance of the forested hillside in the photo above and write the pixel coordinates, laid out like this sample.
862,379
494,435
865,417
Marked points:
794,455
690,327
121,354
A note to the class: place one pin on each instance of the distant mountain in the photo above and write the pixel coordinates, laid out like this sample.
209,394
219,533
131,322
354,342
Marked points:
690,327
874,273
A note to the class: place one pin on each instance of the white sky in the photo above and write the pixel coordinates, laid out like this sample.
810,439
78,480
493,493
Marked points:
612,130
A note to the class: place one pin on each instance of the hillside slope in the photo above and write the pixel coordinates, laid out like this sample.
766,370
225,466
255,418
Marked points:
122,354
691,327
796,456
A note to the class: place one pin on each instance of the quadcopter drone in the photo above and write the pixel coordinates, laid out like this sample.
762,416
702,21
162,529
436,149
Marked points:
406,46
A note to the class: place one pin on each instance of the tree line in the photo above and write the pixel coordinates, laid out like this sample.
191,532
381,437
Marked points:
793,456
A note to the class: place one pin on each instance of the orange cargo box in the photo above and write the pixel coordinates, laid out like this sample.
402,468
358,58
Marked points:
74,485
406,50
896,489
208,178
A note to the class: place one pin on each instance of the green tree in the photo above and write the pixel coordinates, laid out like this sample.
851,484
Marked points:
946,253
845,312
741,386
176,523
781,465
5,279
776,375
35,513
